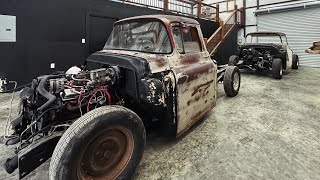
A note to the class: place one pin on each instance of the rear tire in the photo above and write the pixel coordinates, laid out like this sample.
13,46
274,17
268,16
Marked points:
106,143
231,81
277,70
233,60
295,62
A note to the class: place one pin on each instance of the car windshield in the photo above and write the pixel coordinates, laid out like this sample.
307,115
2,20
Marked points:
266,39
150,36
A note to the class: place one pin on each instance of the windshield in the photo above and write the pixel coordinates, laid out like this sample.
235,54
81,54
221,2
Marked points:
150,36
266,39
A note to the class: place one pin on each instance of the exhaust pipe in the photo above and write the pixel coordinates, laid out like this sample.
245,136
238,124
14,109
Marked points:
11,164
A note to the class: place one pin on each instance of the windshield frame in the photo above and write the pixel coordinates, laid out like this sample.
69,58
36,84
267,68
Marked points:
261,35
146,20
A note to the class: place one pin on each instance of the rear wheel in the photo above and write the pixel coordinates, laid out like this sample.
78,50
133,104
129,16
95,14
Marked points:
295,62
105,143
231,81
233,60
277,70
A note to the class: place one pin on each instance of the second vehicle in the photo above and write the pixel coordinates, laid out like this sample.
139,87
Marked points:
270,52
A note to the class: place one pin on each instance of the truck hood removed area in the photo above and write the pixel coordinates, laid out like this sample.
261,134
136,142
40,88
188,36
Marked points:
137,64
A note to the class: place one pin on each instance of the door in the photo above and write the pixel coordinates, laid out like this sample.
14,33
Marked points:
195,76
302,27
98,30
289,56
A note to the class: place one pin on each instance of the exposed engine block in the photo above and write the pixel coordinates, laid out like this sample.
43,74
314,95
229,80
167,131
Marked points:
257,59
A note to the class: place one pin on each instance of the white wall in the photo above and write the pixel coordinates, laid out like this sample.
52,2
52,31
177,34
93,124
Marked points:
7,28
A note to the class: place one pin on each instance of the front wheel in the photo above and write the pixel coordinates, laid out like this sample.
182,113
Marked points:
106,143
231,81
295,62
277,69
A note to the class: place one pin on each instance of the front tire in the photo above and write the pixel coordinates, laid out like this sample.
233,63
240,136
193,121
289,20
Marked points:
231,81
277,69
295,62
106,143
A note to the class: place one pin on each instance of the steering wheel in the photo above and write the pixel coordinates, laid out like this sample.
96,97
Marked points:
147,45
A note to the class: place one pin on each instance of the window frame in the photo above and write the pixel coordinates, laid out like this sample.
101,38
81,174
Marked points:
199,42
144,20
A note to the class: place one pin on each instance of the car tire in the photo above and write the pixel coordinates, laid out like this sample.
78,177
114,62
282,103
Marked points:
295,62
233,60
105,143
232,81
277,69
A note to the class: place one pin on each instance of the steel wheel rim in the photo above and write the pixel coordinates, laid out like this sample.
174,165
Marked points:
107,155
236,81
281,71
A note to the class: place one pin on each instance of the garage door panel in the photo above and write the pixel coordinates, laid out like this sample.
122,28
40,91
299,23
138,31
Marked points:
302,28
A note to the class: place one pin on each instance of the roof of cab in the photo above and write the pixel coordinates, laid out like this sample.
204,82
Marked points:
164,18
266,34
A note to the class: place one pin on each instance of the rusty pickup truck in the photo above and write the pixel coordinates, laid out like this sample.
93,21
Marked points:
91,120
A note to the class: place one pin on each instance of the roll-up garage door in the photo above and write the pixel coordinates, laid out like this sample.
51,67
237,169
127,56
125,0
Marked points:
302,28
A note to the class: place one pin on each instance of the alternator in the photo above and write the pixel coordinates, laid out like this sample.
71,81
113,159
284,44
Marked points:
56,85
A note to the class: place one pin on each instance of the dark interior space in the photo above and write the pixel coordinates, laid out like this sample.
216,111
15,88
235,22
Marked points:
227,48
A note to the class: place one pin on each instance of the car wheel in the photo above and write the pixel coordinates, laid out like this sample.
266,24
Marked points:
295,62
233,60
277,69
106,143
232,81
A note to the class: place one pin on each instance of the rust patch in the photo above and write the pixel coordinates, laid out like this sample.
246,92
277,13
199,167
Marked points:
197,98
167,19
190,59
205,85
197,117
160,62
182,80
195,71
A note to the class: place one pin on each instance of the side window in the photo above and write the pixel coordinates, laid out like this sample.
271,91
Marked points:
191,40
178,39
187,39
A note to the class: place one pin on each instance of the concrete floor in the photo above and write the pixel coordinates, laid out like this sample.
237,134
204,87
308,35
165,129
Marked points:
269,131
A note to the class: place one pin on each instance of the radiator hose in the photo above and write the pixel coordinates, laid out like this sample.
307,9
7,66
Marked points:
42,90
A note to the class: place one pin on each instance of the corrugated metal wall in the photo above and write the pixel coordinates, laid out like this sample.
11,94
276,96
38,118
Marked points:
302,28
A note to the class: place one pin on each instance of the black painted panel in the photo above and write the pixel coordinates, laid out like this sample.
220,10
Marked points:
99,26
8,7
227,48
9,64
